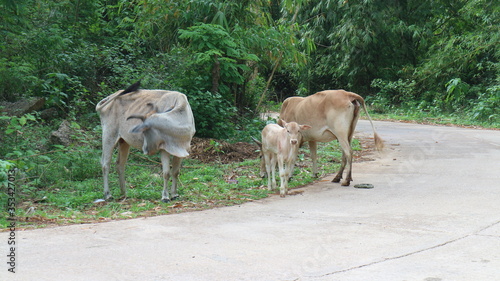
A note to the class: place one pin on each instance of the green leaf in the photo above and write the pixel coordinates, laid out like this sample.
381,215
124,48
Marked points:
22,120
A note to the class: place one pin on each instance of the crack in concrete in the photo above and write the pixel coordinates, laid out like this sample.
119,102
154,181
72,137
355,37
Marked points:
476,233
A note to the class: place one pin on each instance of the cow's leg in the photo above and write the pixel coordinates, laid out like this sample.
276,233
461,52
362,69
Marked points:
174,173
107,153
123,149
165,162
283,176
347,162
338,177
313,148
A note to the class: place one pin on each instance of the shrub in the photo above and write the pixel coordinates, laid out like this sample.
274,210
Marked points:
487,105
213,115
396,92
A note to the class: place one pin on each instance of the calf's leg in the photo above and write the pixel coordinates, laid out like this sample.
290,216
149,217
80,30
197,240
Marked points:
270,161
283,176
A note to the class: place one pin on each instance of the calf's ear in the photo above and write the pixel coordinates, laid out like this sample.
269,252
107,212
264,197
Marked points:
140,128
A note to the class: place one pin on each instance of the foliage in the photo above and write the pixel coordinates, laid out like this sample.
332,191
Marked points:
5,166
213,115
487,105
249,52
15,123
395,92
219,54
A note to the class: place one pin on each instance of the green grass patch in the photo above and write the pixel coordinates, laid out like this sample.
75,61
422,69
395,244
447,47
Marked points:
60,187
407,113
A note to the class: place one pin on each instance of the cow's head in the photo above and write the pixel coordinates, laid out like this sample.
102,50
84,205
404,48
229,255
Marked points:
293,130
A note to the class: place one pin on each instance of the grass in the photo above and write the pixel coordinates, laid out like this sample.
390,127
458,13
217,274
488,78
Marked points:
61,185
410,114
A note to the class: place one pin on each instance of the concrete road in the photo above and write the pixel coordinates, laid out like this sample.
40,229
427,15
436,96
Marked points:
434,214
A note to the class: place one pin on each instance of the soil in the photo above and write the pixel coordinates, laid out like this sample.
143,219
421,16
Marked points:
212,150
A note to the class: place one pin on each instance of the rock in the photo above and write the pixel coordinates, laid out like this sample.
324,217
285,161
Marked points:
63,135
49,113
19,108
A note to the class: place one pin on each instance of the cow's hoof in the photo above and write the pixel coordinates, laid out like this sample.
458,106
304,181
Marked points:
345,183
337,179
165,200
174,198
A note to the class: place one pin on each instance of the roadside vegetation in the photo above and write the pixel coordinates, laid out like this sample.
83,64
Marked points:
59,186
431,61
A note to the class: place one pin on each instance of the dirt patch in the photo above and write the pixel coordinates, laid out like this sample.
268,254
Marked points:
212,150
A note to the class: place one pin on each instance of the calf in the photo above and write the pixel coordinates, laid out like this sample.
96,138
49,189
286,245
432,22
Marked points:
281,144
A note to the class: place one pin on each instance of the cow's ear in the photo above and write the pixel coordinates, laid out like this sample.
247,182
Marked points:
140,128
305,127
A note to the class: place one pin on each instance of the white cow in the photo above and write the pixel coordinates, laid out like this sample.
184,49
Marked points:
151,120
281,144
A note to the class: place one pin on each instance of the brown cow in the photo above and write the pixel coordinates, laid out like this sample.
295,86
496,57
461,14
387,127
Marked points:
151,120
333,114
281,144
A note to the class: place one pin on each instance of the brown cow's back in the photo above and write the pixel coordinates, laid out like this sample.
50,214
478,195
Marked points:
320,111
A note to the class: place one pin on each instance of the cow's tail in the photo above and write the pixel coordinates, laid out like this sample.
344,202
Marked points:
379,143
105,101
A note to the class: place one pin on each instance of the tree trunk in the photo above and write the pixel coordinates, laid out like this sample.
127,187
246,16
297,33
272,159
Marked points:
215,75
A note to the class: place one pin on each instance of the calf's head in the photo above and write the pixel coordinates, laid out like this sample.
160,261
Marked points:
293,130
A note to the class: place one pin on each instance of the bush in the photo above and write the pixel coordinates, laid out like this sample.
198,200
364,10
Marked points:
397,92
212,114
487,105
